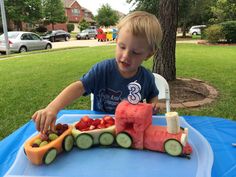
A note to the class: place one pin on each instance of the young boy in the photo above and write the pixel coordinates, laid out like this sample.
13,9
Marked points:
139,35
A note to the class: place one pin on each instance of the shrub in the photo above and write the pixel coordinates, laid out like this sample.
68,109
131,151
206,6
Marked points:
229,30
70,27
214,33
83,25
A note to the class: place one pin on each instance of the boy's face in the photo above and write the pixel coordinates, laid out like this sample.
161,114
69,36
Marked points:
130,52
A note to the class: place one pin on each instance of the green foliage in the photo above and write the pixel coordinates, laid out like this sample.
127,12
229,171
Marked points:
223,10
214,33
106,16
151,6
29,11
83,25
53,11
229,30
70,27
191,12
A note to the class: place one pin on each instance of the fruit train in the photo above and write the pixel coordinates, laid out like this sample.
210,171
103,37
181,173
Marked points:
131,127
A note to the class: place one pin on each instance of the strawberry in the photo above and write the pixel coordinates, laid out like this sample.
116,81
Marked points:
100,126
85,129
87,120
96,122
107,118
92,127
81,125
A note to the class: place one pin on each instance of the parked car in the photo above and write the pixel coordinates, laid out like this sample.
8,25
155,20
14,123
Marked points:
196,30
87,34
56,35
20,41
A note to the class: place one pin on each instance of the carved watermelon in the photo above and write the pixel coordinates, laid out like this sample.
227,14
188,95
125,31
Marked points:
133,119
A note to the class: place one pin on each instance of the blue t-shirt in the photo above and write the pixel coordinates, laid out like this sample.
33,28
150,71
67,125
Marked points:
110,88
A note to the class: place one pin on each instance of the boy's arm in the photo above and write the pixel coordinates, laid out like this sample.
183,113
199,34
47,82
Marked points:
46,117
155,106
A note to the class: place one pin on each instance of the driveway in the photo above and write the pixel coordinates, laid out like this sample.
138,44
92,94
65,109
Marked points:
82,43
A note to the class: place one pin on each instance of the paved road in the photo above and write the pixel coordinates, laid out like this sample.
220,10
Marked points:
76,43
93,42
84,43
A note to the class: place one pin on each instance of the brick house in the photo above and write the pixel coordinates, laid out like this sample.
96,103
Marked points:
75,13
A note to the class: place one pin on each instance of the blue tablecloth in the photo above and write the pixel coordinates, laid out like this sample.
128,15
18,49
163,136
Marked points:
219,132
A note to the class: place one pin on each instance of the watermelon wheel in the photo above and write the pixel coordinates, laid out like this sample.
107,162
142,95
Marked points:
49,156
84,141
124,140
173,147
68,143
106,139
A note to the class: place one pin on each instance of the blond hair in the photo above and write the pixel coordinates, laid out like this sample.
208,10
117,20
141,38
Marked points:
143,24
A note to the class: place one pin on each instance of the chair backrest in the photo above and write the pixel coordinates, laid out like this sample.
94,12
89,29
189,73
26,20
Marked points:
162,86
164,91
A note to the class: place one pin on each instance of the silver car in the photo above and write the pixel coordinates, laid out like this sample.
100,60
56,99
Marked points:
20,41
87,34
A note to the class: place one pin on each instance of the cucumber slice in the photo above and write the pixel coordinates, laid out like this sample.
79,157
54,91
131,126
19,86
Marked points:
124,140
106,139
173,147
49,156
84,141
68,143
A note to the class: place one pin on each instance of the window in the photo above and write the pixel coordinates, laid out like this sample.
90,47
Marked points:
35,37
26,37
75,12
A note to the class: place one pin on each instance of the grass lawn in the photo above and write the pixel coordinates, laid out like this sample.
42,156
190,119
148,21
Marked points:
30,82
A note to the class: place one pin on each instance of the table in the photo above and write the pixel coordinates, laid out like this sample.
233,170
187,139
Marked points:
219,132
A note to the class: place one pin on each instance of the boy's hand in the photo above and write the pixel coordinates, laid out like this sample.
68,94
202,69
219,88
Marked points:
155,108
44,119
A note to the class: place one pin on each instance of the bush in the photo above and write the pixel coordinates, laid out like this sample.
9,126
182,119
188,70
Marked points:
83,25
70,27
229,30
214,33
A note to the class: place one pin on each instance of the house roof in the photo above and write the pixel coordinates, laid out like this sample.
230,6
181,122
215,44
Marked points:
88,19
68,3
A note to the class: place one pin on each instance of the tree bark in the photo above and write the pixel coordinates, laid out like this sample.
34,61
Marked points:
164,59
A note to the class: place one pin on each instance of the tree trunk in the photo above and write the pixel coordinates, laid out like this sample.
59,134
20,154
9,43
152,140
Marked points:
164,59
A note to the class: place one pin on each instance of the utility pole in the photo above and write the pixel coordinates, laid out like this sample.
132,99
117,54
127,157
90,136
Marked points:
4,24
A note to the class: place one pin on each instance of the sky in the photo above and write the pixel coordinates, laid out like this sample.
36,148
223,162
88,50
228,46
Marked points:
94,5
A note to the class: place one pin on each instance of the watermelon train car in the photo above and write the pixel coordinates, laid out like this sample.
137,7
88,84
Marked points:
134,129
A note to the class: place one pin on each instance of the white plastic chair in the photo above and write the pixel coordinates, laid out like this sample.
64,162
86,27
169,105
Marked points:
164,91
162,86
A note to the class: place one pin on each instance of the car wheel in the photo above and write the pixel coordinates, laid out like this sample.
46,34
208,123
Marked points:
22,49
52,39
66,38
48,46
194,33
